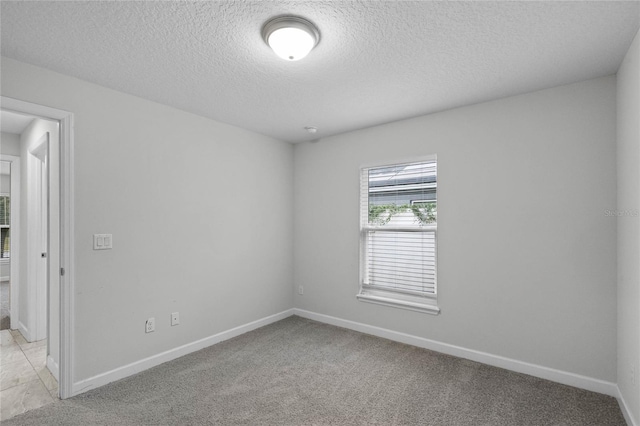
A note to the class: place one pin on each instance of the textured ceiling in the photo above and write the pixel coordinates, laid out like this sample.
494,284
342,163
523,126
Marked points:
376,62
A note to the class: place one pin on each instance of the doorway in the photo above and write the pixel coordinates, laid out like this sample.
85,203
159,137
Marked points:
45,271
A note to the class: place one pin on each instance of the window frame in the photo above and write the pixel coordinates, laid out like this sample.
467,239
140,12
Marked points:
424,302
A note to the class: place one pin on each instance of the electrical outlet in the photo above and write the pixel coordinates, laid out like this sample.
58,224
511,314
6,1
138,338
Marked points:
300,289
175,318
150,325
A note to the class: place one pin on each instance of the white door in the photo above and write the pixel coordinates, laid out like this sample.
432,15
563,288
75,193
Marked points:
38,214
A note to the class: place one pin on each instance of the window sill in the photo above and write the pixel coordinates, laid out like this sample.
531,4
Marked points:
427,306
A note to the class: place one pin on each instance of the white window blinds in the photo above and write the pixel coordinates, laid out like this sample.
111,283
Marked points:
398,206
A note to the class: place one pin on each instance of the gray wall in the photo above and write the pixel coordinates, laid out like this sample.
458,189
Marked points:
9,144
526,257
628,109
156,177
5,184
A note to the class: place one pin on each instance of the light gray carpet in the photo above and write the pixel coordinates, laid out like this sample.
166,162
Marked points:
300,372
5,321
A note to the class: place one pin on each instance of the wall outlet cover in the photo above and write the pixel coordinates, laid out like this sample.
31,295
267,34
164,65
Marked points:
150,325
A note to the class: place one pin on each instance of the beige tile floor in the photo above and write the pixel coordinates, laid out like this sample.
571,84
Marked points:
25,381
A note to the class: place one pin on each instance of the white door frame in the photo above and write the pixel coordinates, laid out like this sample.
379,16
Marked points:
14,259
67,258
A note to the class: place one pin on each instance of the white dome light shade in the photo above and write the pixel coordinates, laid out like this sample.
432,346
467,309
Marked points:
290,37
291,43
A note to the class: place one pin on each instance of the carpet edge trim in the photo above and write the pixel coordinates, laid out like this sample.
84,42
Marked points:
554,375
171,354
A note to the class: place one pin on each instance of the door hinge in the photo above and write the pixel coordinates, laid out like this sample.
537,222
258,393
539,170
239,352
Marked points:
62,272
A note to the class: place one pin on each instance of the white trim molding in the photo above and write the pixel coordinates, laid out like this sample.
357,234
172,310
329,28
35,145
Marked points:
558,376
52,365
171,354
398,301
24,331
564,377
626,412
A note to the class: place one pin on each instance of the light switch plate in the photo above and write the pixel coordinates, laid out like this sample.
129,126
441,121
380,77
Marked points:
102,241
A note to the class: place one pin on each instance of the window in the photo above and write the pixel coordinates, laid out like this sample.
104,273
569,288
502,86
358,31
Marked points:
5,209
398,235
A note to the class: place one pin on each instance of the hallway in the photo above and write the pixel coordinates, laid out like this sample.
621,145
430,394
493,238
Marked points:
25,381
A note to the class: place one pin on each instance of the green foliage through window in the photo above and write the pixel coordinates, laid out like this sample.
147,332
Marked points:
5,209
425,212
5,244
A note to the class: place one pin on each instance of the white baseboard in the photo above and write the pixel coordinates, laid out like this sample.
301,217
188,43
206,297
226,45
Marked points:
53,367
566,378
626,412
24,331
547,373
152,361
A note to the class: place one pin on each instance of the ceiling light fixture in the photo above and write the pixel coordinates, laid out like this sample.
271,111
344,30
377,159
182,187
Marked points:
290,37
